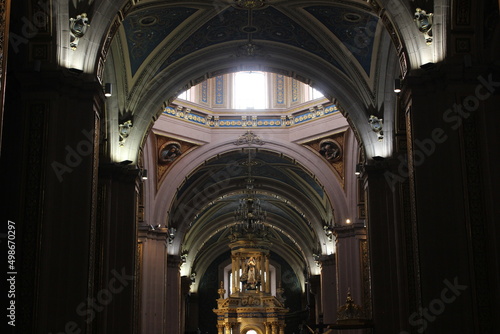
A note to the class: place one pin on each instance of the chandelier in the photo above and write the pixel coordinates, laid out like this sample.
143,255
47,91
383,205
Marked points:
249,217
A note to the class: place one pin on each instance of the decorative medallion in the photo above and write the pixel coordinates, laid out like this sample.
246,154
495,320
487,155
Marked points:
331,148
170,150
169,153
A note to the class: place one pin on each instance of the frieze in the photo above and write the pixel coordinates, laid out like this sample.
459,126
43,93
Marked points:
250,121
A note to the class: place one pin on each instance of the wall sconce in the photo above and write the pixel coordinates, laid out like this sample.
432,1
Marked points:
144,174
358,169
171,235
397,86
348,221
108,89
153,228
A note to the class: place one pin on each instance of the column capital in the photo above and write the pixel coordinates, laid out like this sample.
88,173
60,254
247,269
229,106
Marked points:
119,171
346,231
70,83
174,261
327,260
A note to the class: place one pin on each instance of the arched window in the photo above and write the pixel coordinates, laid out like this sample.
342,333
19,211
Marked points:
250,90
251,332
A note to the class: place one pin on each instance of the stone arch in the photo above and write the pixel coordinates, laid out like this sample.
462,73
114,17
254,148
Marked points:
309,160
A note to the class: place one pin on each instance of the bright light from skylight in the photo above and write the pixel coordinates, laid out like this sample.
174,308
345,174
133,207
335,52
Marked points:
316,94
186,95
250,90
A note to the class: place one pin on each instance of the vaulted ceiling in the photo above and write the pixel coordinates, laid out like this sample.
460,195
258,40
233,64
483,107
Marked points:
158,49
162,48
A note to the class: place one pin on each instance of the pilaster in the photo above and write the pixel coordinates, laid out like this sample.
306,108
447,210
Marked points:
173,302
329,297
117,246
153,261
349,243
52,148
451,125
389,292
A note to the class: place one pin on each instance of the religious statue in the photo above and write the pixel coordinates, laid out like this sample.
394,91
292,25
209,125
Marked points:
250,277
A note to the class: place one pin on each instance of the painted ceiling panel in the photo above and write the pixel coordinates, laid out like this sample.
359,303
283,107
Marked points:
310,181
147,28
268,24
354,28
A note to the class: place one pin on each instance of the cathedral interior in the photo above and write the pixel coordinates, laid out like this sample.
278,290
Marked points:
250,166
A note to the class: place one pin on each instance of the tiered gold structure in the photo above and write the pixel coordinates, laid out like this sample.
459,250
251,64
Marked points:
250,305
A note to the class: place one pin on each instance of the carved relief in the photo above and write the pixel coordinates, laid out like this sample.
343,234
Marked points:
331,148
170,150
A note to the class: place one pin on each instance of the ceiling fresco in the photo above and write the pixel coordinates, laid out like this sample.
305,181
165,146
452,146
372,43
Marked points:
268,24
354,28
152,26
147,28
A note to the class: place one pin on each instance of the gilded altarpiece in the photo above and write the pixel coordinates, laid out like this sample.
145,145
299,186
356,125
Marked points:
250,305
